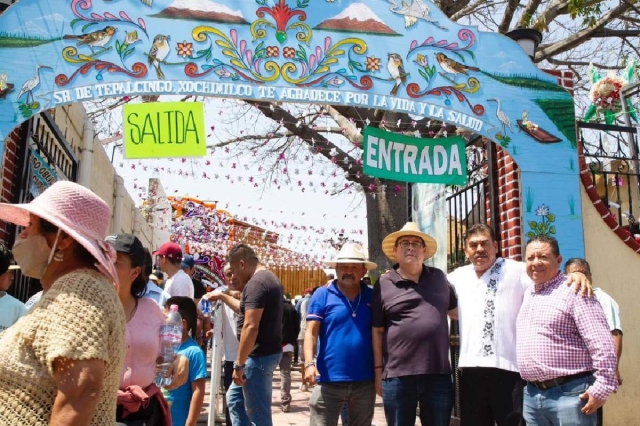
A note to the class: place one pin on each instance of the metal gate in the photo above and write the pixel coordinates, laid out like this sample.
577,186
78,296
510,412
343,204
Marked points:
46,157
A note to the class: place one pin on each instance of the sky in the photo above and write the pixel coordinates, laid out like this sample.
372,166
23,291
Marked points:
228,182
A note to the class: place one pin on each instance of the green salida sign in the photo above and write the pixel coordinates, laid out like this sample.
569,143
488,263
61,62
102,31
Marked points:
164,129
406,159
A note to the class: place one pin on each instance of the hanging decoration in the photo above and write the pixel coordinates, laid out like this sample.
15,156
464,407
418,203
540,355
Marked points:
606,94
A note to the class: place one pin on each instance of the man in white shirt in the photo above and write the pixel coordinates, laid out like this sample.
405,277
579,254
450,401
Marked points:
490,292
11,309
231,299
168,258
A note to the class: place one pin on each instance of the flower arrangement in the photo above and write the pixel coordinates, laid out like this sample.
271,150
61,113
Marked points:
605,93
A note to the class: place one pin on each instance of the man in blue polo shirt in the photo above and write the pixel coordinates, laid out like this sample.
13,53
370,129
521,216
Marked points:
340,315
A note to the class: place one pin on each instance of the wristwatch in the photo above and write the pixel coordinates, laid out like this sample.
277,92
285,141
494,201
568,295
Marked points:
309,364
237,366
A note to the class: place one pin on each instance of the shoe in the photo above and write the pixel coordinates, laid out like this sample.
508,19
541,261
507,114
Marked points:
304,387
286,408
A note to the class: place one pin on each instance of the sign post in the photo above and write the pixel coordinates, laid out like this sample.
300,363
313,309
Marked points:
164,130
407,159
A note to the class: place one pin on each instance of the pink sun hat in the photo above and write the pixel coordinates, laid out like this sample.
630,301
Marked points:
78,212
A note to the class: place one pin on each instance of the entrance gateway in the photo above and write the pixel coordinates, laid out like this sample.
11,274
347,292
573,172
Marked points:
383,54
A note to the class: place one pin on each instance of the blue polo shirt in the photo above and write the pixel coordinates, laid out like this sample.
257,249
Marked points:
345,352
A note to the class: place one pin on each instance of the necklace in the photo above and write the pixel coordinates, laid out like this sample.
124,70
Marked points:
353,311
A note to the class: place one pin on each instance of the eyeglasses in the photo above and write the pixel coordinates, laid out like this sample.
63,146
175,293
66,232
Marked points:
413,244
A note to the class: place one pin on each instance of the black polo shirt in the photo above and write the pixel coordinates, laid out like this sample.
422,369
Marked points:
414,316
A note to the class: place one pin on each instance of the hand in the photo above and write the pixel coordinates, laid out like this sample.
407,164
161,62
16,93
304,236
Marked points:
209,334
378,382
238,377
592,404
235,294
179,372
213,296
580,283
310,374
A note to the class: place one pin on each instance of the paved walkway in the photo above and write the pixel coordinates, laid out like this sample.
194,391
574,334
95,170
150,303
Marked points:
299,414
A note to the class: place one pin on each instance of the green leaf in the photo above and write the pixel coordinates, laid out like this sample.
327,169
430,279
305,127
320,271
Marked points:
118,46
473,55
85,26
591,113
459,56
541,227
533,224
530,234
75,21
424,74
552,230
551,217
127,53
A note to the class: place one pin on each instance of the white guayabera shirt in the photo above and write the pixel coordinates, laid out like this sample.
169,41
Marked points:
480,309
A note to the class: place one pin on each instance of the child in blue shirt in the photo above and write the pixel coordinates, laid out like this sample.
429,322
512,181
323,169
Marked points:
186,401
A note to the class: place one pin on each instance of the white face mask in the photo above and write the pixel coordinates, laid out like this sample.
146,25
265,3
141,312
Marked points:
33,255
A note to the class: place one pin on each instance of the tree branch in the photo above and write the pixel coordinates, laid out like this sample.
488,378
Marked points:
351,132
509,11
527,13
551,13
581,64
307,134
581,36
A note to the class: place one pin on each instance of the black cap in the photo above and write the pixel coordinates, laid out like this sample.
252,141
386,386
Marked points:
131,245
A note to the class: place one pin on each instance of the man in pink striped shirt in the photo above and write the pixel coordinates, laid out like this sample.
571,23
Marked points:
564,349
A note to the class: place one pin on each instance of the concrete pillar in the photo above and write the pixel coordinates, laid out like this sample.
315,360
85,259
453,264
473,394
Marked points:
86,155
118,195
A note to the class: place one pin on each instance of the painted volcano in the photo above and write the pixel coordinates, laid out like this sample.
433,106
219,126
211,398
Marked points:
357,18
202,10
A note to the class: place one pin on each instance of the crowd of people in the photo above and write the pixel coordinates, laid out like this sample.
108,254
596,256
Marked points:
538,345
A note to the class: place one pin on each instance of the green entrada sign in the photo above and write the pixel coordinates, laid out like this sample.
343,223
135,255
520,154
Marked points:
407,159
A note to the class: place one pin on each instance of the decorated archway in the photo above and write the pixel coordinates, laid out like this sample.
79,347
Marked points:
390,55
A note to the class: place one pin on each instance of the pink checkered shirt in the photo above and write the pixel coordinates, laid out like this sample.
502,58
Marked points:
560,333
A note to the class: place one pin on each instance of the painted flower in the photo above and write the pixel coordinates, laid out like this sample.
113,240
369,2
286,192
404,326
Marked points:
131,37
273,51
373,63
289,52
185,49
542,210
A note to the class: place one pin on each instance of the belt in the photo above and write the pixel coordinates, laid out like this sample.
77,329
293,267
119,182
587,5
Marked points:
548,384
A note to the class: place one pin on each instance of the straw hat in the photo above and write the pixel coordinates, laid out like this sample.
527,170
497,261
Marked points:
409,229
78,212
352,253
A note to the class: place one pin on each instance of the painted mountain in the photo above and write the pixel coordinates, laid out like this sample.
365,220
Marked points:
357,18
205,10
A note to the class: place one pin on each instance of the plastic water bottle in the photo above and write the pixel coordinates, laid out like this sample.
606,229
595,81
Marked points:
170,340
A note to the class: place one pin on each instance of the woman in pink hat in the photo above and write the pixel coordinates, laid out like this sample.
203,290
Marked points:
61,362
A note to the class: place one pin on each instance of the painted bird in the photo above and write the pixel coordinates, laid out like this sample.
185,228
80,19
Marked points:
93,39
159,52
31,84
396,69
452,67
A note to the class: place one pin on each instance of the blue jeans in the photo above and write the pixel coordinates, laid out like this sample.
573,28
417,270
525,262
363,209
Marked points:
434,393
558,406
256,392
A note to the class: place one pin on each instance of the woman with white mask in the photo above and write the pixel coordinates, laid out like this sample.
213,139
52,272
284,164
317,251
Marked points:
61,362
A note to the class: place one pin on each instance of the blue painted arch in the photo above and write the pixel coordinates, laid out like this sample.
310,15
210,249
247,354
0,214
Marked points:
384,54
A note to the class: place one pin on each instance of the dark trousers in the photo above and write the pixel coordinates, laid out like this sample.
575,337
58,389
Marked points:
228,378
490,396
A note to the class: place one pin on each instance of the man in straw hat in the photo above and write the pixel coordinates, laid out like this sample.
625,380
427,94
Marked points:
490,292
411,332
340,314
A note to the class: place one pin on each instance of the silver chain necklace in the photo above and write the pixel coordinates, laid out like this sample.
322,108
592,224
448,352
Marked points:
353,311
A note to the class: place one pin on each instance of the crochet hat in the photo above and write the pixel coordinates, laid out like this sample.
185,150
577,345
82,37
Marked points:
409,229
352,253
77,212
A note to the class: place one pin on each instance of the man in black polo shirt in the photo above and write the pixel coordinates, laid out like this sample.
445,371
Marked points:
260,336
411,332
